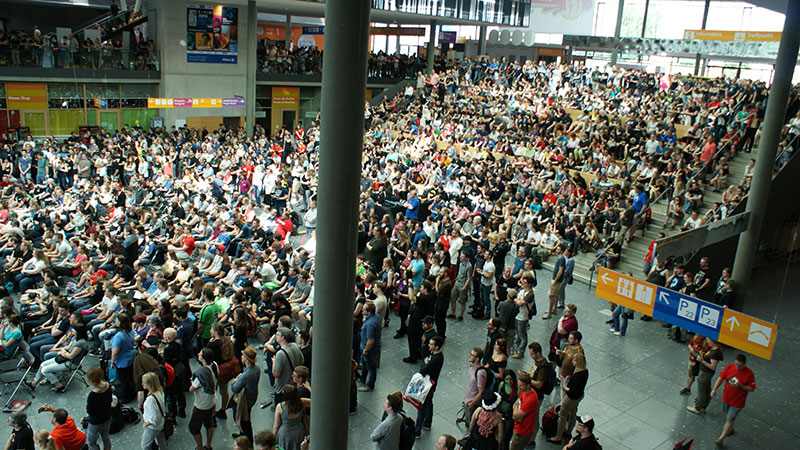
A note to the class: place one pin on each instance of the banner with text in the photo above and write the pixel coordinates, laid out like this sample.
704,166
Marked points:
729,327
212,34
237,102
739,36
285,97
26,96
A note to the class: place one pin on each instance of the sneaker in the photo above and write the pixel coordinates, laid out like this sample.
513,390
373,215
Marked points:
221,415
460,319
518,356
265,404
354,412
451,316
612,330
426,428
610,321
398,335
410,360
617,333
365,389
546,316
685,391
694,410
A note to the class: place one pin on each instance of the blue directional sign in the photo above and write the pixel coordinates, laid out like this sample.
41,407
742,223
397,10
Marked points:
687,312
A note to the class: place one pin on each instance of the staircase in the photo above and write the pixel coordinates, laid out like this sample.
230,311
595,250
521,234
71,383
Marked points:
633,253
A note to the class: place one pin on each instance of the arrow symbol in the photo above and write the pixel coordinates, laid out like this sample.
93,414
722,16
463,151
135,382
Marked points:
733,322
606,279
663,298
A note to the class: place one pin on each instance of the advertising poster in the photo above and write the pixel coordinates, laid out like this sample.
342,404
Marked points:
212,34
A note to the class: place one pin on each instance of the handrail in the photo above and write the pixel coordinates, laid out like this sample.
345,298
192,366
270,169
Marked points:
642,214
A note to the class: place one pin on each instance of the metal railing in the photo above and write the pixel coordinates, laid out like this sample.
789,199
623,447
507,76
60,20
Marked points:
642,215
47,57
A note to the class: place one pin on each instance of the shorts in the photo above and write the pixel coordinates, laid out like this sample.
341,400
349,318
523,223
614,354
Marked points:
730,411
201,418
694,369
555,289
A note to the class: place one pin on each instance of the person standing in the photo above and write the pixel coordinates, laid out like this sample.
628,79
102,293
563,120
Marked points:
708,365
461,286
432,368
569,268
573,387
21,437
245,390
487,273
525,413
477,377
697,346
386,435
370,347
204,381
526,305
123,351
421,306
98,410
153,413
286,359
739,381
443,288
555,285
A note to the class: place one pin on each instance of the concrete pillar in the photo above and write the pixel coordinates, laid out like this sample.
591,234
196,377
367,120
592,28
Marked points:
252,59
482,40
344,82
617,30
137,5
703,27
644,18
123,5
767,149
288,32
431,47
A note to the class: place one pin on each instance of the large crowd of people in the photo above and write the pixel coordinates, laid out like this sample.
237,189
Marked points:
183,259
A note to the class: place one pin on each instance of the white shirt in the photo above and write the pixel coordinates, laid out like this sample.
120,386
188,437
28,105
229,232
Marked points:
488,269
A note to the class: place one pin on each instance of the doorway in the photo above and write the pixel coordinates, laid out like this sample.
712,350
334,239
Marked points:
289,116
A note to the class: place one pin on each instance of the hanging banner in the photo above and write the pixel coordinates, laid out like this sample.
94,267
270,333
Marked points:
237,102
394,31
26,95
447,37
285,97
212,34
738,36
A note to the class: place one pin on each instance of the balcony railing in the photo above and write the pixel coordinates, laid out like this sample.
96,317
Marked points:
47,57
514,13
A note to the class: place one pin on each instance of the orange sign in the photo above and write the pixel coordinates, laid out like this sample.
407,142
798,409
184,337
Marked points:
739,36
159,103
626,291
747,333
26,95
206,103
285,97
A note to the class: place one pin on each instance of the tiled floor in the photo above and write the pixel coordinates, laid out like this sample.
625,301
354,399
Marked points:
633,382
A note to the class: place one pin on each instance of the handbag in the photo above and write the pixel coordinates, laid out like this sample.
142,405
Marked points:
418,389
169,421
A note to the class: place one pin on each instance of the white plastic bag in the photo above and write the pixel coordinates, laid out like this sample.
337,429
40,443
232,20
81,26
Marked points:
417,390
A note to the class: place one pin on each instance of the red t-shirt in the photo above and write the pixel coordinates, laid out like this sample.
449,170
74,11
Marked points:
529,404
732,395
79,258
188,242
68,436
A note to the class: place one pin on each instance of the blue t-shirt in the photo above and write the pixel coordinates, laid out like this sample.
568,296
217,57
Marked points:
16,335
413,211
561,263
418,267
127,352
371,329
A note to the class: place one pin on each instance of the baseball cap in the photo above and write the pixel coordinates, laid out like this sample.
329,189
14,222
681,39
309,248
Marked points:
587,421
427,319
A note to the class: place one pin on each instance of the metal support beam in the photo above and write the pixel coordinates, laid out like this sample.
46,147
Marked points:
482,40
431,47
250,78
767,149
703,27
288,42
644,18
617,31
344,83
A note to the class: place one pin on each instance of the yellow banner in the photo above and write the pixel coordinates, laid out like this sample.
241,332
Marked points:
739,36
159,103
285,97
206,103
26,95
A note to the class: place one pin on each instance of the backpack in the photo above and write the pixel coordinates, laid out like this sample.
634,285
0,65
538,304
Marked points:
550,382
407,432
166,374
252,324
550,421
491,380
121,416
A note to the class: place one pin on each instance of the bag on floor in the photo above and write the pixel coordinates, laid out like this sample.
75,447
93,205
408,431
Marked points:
417,390
550,421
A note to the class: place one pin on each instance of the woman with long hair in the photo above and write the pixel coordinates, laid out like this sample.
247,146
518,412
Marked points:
153,413
508,396
486,426
289,425
222,346
499,359
98,409
44,441
573,387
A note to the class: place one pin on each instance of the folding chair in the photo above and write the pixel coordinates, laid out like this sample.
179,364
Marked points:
17,377
74,369
12,363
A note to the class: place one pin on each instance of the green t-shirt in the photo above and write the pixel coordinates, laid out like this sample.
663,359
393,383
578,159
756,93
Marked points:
208,315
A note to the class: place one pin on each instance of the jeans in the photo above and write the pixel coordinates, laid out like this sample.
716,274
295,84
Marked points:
93,432
485,306
369,369
620,319
50,369
425,414
521,338
150,435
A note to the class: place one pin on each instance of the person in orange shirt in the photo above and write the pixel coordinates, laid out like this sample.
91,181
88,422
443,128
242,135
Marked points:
66,435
